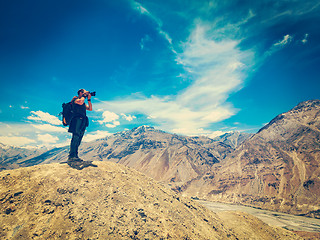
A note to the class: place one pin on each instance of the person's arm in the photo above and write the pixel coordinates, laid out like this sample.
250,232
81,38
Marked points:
74,98
80,101
89,106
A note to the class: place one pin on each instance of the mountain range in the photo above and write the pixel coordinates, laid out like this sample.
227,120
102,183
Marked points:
163,156
10,155
277,168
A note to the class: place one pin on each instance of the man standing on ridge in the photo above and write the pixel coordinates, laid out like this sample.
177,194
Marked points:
78,123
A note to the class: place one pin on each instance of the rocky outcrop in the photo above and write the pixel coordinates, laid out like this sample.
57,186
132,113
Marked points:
111,201
277,168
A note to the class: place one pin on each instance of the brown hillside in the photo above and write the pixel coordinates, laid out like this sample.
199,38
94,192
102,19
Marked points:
110,201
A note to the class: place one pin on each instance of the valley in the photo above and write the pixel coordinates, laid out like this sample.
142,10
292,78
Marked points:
276,219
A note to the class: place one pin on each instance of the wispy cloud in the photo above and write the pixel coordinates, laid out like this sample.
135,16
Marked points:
137,6
142,10
216,66
217,70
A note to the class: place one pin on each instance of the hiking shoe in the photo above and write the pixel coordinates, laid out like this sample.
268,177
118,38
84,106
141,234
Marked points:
79,165
74,159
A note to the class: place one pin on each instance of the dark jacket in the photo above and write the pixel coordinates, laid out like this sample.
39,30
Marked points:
79,114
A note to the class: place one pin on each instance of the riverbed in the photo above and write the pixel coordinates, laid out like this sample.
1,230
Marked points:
287,221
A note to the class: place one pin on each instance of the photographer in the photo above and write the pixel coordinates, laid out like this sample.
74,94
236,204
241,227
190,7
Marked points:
79,122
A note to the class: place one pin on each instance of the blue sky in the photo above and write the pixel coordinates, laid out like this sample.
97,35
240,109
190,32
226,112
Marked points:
187,67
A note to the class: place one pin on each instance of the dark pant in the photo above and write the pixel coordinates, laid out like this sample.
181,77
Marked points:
77,134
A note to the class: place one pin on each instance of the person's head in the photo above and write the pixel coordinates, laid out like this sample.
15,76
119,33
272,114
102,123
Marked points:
80,92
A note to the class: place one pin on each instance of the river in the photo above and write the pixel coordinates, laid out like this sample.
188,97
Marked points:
287,221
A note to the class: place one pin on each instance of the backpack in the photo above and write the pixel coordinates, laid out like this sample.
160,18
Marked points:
67,113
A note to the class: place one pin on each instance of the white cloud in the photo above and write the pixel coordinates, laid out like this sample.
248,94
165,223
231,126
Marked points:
23,107
165,35
286,40
16,140
49,128
96,135
44,117
305,39
26,134
47,138
137,6
128,117
216,66
108,117
143,42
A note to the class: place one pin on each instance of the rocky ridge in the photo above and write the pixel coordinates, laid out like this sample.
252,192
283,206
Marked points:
111,201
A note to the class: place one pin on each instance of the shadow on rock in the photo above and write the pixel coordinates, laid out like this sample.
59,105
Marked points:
81,165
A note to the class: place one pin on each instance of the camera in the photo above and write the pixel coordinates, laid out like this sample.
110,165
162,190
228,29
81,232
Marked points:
92,94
